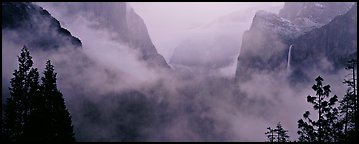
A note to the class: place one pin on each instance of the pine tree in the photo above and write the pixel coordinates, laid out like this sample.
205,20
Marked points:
278,134
18,108
327,127
33,130
348,105
34,112
270,134
38,125
62,129
282,135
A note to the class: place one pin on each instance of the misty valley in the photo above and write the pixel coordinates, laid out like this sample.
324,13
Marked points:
168,72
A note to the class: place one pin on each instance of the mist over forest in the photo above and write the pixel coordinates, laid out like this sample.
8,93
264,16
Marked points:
203,71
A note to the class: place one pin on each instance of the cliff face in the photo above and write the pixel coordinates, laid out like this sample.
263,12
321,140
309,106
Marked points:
333,43
317,13
119,18
31,25
139,38
266,44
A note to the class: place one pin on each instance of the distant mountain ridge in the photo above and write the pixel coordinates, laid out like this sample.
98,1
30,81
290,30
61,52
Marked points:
334,43
320,13
266,44
123,21
35,27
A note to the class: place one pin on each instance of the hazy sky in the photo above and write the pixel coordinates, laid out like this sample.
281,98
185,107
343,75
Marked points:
167,21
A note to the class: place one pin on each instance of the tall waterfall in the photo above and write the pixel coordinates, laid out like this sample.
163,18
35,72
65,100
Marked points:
288,61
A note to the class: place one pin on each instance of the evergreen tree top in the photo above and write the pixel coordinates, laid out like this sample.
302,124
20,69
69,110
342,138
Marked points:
25,60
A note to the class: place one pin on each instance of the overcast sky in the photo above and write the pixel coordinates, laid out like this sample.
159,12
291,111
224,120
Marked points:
167,21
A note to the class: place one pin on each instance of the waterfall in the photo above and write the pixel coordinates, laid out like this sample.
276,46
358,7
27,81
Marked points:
288,61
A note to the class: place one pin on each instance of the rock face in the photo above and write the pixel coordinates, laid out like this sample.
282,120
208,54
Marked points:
31,25
119,18
316,13
326,48
266,44
139,38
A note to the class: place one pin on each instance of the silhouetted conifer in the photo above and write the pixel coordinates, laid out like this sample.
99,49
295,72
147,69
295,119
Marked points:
60,122
348,105
18,107
34,112
278,134
326,128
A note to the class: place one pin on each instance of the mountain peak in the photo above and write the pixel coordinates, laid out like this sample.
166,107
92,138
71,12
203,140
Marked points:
315,30
318,12
273,23
122,21
31,21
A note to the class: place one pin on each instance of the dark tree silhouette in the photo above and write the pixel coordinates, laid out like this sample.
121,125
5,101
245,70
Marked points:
17,108
348,105
270,134
326,128
60,119
34,128
282,135
278,134
34,112
22,87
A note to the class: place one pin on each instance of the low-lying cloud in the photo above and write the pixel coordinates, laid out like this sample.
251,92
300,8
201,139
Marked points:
114,95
